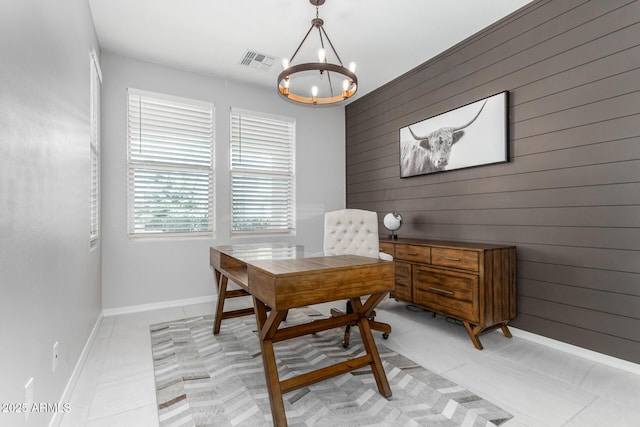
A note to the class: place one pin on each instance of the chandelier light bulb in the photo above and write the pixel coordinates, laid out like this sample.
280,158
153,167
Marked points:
285,63
314,91
345,84
322,55
352,67
286,82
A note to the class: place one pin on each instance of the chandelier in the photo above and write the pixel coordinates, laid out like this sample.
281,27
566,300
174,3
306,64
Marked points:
313,82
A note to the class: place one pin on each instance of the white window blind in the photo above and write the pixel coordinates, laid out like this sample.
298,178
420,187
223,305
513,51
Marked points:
262,173
94,144
170,165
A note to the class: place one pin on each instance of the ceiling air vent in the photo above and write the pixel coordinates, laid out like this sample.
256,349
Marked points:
259,61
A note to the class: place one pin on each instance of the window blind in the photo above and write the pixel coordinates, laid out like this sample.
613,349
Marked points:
94,148
262,173
170,165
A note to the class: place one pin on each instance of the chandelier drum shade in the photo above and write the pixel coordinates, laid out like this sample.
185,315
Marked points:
321,82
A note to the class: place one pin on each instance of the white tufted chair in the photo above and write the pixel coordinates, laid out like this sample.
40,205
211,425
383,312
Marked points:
354,232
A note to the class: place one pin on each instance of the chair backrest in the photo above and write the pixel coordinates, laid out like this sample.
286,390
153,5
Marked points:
351,232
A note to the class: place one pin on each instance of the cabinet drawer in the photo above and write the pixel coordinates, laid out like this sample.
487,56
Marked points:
413,253
403,281
387,248
448,292
455,258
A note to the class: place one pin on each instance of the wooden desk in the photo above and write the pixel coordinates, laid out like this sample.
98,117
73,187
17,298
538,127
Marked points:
279,278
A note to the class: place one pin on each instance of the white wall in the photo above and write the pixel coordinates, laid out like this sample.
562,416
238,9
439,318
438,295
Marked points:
141,271
49,276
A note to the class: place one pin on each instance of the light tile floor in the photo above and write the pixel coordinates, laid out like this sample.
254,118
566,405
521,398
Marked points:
539,385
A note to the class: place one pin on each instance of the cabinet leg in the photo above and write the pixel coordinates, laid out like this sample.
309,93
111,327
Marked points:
473,334
505,330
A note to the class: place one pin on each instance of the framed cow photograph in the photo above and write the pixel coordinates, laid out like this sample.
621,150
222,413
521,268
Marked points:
472,135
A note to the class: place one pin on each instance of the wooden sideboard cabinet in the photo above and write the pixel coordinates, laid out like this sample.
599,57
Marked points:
471,282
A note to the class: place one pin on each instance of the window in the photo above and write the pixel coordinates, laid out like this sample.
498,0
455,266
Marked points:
170,165
94,148
262,173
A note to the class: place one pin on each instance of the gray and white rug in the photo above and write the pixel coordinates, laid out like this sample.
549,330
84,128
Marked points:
207,380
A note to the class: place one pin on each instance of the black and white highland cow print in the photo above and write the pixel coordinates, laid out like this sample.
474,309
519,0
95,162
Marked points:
424,152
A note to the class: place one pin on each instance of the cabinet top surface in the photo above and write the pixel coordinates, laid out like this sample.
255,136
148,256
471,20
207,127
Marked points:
446,243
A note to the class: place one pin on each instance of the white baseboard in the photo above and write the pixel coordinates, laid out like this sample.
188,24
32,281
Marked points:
75,374
106,312
593,356
56,419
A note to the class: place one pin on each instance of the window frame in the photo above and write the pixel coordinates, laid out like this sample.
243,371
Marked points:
169,168
291,176
95,81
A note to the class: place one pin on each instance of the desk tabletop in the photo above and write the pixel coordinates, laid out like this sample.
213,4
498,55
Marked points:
304,266
282,277
284,258
250,252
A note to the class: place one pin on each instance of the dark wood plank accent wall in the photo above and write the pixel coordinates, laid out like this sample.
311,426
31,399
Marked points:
569,198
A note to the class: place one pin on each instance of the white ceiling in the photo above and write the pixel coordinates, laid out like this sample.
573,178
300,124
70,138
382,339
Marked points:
386,38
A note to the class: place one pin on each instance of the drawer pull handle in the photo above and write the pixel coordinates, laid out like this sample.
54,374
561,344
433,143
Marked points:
440,290
412,253
448,258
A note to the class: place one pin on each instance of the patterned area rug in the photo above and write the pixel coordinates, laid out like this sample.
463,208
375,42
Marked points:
207,380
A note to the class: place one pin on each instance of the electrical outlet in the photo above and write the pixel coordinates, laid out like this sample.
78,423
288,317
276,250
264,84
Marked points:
54,361
28,398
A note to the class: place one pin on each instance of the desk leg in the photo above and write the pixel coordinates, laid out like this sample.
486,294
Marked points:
370,346
269,360
221,280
